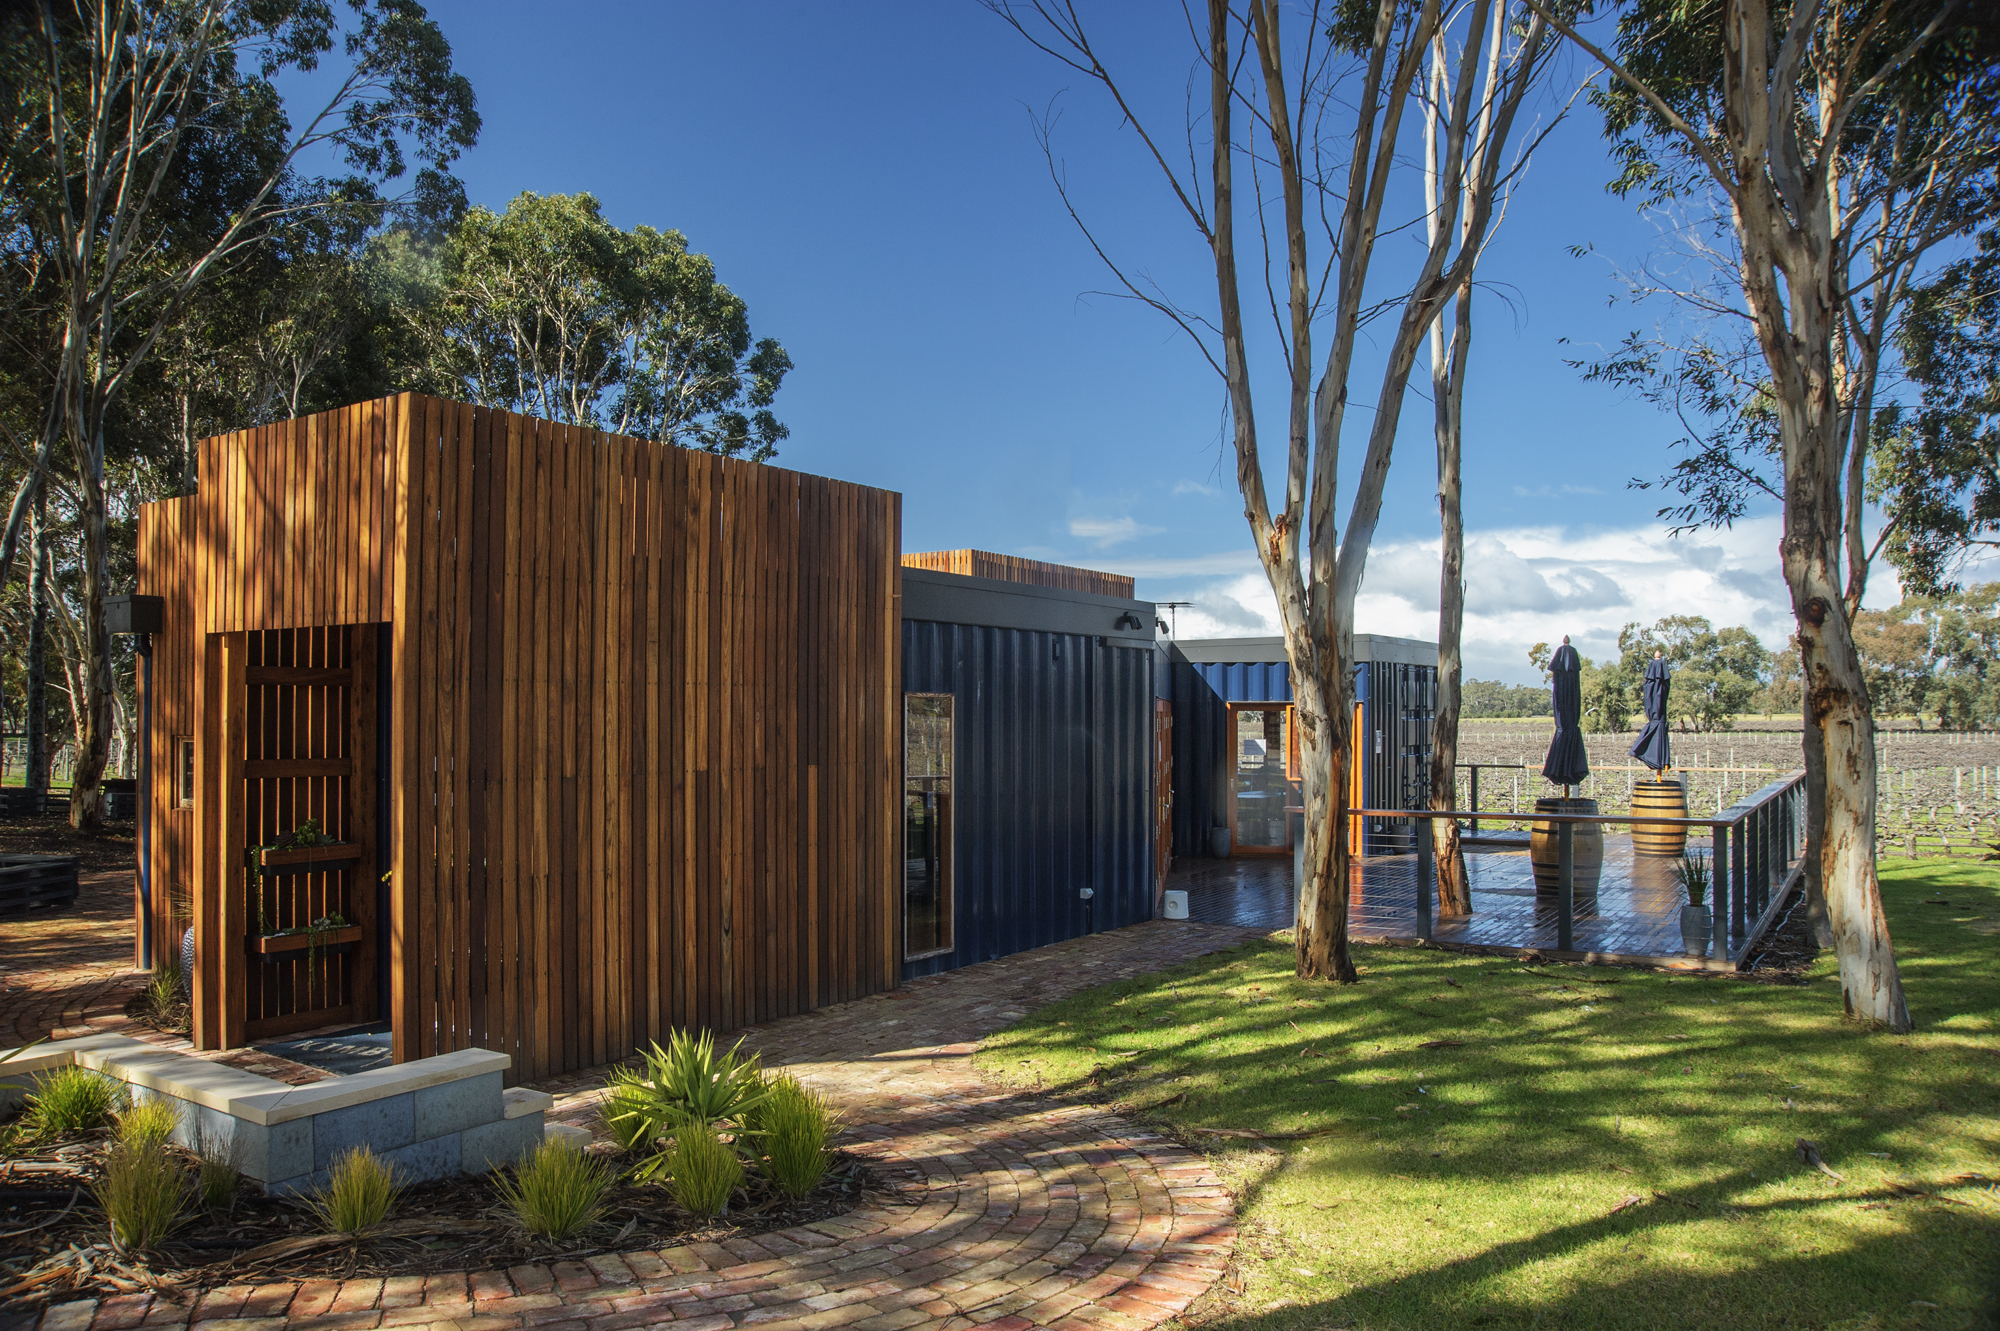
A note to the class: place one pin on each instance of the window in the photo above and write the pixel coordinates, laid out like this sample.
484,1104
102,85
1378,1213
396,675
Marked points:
183,772
927,745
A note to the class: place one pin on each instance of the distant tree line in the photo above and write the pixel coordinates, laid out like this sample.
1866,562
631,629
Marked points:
170,270
1931,657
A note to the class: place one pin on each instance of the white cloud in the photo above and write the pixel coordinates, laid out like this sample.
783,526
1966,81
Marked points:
1187,487
1241,607
1221,563
1523,585
1534,584
1103,532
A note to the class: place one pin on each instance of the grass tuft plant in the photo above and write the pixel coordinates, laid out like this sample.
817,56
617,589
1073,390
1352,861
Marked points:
164,1002
794,1126
148,1122
143,1192
1693,874
359,1192
219,1175
72,1099
557,1190
702,1171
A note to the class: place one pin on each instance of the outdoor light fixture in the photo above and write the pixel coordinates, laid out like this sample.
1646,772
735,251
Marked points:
1128,620
142,617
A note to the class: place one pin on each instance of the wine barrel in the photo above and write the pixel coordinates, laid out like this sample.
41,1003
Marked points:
1586,846
1663,799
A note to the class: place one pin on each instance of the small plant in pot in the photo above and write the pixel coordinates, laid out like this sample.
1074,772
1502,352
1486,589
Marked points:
1696,920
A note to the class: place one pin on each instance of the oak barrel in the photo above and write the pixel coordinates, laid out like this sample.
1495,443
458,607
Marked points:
1663,799
1586,846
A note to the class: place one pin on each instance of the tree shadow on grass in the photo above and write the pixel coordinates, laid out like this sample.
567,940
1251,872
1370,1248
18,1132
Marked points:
1647,1286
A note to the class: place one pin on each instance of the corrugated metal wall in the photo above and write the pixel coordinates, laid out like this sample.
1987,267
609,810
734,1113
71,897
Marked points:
1052,789
1396,699
1397,704
1201,696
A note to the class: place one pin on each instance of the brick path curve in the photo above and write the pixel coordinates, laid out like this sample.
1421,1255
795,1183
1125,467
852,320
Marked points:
1010,1210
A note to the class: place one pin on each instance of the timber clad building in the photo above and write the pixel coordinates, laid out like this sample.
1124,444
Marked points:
605,738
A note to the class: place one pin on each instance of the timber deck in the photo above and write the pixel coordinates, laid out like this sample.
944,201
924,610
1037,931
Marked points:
1632,917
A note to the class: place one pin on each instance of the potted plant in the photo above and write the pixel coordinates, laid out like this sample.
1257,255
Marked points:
1696,922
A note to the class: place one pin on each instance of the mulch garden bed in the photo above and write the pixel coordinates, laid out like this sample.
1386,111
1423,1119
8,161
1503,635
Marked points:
55,1242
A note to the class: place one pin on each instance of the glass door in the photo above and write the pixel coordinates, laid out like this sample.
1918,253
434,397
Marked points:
1259,784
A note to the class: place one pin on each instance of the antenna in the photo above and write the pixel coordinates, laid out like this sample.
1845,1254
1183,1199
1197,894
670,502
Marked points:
1170,607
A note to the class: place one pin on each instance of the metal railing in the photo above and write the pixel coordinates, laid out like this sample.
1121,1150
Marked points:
1754,849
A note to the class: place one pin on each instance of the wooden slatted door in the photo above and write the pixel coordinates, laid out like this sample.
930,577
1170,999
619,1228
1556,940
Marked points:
308,735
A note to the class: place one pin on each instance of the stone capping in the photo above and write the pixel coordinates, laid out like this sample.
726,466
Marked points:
517,1101
241,1094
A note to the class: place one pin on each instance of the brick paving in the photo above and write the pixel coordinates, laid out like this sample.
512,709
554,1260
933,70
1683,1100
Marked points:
1005,1209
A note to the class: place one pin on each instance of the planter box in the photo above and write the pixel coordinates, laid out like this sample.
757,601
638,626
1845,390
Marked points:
305,859
270,945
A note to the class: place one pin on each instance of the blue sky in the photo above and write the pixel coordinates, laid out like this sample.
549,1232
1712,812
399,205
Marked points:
867,177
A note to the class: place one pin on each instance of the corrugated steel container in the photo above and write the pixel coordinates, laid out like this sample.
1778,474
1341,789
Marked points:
1398,701
1202,692
1052,790
1397,698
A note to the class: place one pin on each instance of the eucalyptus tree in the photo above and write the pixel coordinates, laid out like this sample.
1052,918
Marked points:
1505,59
549,309
1841,143
114,105
1337,88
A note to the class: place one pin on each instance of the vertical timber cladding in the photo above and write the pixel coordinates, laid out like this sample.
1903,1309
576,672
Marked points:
643,708
166,548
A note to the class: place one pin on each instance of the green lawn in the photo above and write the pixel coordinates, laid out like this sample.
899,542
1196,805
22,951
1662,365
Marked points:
1599,1148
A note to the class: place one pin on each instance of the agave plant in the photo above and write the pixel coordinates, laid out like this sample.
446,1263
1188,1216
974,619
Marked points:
687,1082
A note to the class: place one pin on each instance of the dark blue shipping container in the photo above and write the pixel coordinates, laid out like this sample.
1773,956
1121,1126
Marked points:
1397,693
1052,764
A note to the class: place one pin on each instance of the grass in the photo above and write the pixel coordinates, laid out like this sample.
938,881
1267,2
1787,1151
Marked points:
1484,1181
148,1122
557,1190
144,1193
702,1171
72,1099
794,1125
359,1191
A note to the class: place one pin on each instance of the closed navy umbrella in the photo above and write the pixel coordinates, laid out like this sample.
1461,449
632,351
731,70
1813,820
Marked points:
1567,762
1651,748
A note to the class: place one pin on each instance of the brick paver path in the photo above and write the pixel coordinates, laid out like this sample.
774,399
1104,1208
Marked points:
1009,1210
61,969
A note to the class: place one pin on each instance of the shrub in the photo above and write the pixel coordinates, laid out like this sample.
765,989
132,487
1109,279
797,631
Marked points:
701,1170
143,1192
72,1099
794,1125
149,1121
359,1192
686,1080
557,1190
